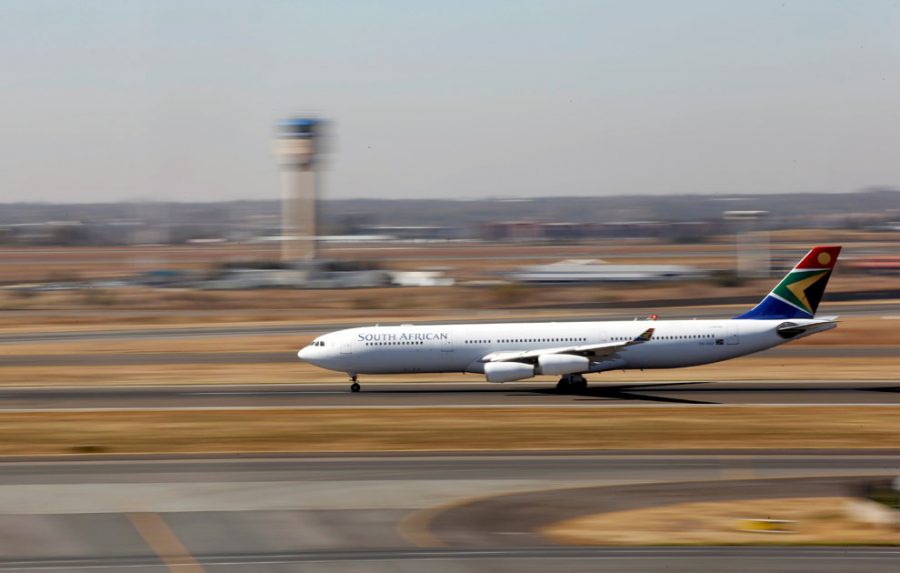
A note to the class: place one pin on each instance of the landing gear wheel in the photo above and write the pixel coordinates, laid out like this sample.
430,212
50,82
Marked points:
564,386
579,383
571,383
355,387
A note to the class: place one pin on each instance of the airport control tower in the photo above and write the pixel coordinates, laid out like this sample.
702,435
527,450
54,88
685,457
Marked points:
297,147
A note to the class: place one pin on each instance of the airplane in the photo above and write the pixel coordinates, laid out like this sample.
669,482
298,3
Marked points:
504,352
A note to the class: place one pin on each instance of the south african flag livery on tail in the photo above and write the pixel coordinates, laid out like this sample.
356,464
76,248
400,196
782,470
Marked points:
799,292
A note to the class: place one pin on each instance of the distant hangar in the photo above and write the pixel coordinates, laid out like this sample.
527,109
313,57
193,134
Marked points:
597,271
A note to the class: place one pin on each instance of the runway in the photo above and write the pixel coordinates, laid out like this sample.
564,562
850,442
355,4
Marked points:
451,395
350,513
535,560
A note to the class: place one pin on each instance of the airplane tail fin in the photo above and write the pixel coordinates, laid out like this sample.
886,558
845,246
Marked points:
799,292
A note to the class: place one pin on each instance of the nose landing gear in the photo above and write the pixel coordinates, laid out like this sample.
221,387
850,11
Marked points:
354,387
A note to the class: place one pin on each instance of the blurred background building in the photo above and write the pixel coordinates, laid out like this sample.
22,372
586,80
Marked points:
676,219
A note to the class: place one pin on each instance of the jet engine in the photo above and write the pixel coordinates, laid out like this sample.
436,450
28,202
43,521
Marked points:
507,371
562,363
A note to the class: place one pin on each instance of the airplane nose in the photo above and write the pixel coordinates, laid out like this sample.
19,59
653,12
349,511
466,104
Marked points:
303,353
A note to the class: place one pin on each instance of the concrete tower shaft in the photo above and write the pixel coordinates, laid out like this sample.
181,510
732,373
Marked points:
297,148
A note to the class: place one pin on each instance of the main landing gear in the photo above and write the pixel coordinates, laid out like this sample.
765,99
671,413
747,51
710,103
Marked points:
571,383
355,386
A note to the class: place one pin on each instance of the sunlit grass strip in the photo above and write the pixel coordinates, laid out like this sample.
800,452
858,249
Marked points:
196,431
812,521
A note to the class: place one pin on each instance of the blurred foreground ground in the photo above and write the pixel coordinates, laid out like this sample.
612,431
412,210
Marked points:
392,480
811,521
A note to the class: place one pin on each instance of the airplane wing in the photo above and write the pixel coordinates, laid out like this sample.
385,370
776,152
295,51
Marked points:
592,351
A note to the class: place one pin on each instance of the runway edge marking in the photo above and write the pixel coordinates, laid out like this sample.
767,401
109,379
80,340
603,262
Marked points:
154,530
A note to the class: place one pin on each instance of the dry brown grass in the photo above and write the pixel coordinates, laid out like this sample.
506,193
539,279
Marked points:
460,297
818,521
225,344
141,307
129,319
447,429
39,263
873,331
163,374
467,261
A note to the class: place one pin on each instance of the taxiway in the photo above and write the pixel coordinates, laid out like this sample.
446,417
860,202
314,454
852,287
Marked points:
395,512
444,395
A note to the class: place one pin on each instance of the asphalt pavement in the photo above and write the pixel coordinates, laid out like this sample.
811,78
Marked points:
351,512
452,395
498,560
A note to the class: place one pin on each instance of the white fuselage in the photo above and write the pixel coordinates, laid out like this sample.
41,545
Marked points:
461,348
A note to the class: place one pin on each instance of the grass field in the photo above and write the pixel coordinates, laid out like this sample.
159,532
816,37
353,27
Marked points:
430,429
461,261
818,521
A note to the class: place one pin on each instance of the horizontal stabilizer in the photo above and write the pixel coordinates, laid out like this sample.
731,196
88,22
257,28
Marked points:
805,328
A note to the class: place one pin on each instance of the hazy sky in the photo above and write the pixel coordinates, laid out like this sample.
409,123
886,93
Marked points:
117,99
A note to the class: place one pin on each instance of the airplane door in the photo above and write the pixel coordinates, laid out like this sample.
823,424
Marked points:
731,335
346,348
447,346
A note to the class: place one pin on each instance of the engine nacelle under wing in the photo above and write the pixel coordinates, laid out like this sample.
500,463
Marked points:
563,363
507,371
